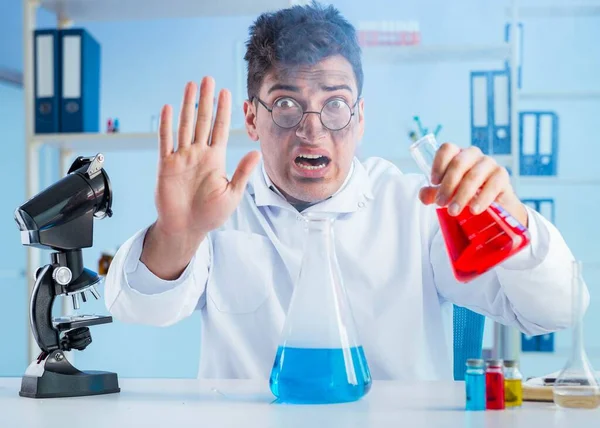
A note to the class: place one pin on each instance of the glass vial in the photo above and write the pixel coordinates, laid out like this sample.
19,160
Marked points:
320,358
475,385
494,385
513,384
577,385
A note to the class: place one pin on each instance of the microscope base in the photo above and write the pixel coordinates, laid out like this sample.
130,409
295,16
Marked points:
55,385
61,379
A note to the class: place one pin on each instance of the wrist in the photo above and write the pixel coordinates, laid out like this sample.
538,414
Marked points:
167,253
185,235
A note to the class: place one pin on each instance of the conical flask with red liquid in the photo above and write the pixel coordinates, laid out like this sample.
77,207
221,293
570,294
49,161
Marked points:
475,243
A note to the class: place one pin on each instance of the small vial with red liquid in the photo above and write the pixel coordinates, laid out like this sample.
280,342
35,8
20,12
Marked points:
494,385
475,243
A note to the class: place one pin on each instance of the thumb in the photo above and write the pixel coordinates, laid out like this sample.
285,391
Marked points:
427,195
244,170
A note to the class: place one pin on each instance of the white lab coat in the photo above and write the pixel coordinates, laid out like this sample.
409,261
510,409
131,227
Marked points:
393,262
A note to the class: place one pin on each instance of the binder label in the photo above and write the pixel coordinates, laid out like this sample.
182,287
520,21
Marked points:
45,66
71,67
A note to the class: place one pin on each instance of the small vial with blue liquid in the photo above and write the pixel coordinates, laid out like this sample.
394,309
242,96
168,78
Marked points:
475,385
320,359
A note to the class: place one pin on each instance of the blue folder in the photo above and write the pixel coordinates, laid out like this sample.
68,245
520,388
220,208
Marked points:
538,142
80,86
46,63
490,111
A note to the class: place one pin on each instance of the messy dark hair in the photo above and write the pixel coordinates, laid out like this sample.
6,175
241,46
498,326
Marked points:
299,35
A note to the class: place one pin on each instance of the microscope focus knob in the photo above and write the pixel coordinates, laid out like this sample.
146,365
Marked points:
62,275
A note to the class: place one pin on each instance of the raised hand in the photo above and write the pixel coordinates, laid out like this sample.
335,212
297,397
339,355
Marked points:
193,193
468,179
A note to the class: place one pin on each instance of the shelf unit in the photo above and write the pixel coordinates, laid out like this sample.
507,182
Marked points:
69,11
506,340
510,339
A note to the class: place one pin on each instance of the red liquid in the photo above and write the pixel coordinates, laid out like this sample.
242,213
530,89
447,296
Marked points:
494,390
477,243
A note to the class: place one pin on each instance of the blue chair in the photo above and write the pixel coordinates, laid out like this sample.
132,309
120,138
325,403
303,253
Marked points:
468,338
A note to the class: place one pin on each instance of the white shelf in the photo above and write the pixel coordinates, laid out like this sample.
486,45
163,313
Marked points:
407,164
128,10
531,180
561,96
82,143
586,10
12,77
412,54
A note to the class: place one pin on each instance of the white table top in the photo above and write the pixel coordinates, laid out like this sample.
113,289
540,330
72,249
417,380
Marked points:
173,403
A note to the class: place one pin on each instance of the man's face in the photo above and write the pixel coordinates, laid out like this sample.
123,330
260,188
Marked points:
307,162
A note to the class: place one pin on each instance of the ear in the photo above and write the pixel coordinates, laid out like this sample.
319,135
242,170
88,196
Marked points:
250,122
361,118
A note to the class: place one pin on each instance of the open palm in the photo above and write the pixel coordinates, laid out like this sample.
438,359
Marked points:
193,193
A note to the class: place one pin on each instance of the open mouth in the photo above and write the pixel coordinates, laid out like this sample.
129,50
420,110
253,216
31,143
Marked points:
312,162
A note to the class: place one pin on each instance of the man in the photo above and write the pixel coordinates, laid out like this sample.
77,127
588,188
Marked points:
232,248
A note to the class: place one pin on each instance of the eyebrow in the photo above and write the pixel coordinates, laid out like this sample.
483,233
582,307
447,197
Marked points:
336,88
292,88
278,86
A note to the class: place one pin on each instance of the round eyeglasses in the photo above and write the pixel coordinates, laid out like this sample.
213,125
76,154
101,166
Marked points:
287,113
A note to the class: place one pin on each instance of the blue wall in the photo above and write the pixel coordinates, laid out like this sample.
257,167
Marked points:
151,61
13,304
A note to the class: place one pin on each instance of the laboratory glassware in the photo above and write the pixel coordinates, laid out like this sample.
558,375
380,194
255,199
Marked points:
320,358
577,384
475,243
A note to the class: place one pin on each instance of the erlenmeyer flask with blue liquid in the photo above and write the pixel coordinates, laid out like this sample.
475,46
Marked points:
320,358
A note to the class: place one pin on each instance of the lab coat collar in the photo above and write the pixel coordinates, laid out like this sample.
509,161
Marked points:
352,196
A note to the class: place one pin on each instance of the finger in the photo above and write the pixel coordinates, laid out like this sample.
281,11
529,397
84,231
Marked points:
427,195
453,175
472,181
496,184
165,133
220,133
186,116
442,158
244,170
205,111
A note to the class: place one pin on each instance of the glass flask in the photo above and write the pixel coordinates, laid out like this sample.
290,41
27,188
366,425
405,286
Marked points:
320,358
475,243
577,385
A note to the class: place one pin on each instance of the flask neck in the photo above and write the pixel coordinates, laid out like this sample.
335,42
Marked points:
320,235
577,351
423,152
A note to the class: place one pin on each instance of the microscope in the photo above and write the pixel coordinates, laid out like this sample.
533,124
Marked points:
60,218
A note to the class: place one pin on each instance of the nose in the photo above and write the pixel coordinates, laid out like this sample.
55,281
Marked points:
310,128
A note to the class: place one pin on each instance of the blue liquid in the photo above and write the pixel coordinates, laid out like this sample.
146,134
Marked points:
318,375
475,389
